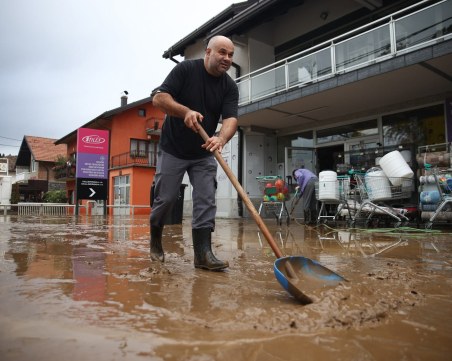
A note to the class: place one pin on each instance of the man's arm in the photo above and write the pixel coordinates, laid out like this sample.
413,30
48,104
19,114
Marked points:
166,103
227,131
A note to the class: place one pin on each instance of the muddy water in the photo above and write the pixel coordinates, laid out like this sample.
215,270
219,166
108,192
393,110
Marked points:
84,288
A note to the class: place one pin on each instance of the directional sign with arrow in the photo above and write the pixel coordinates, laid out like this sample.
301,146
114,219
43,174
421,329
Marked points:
95,189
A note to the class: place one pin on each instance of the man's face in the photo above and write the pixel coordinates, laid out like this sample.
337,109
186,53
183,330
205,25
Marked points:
219,58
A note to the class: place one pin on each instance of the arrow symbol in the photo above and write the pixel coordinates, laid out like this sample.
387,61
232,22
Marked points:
93,192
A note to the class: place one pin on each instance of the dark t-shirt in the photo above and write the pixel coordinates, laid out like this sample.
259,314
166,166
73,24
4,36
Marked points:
191,85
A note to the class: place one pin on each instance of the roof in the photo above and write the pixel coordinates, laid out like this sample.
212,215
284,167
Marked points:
100,120
236,19
203,32
42,149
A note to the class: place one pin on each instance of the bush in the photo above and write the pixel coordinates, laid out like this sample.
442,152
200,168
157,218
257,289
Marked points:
15,195
55,197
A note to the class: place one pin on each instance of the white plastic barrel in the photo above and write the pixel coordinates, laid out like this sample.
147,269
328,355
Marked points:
395,167
377,185
328,189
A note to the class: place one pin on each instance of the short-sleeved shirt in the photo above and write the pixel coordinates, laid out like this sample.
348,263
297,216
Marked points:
191,85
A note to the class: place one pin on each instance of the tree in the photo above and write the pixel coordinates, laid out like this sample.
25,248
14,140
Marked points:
15,195
57,196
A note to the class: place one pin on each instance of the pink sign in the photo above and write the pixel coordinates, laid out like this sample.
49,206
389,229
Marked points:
92,141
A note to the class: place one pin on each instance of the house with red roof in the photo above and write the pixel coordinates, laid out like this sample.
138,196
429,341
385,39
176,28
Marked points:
35,163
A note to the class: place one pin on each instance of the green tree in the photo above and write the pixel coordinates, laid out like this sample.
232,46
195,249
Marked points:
15,195
57,196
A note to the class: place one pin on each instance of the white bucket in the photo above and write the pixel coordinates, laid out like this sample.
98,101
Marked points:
378,185
395,167
328,189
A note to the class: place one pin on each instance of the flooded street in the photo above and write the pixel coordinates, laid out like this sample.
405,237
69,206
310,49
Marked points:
84,289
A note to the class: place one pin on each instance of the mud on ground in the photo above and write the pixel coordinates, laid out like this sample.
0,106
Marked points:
84,288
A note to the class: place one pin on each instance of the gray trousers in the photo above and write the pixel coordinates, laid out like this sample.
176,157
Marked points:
309,199
168,178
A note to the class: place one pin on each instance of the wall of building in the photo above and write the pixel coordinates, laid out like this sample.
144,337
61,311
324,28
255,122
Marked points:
5,189
141,181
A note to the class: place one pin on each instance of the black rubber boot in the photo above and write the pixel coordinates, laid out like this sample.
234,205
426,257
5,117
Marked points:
202,245
157,253
307,216
314,217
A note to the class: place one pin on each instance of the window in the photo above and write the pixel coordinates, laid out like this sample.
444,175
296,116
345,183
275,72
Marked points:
138,148
144,149
347,132
304,139
424,126
141,112
33,165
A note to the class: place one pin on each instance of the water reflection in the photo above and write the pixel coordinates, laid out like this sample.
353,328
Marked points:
97,271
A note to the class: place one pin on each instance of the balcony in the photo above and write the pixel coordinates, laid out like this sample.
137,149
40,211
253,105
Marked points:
23,177
404,31
134,159
64,172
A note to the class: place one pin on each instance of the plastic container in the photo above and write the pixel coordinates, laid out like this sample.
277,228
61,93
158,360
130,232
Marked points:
328,189
395,167
377,185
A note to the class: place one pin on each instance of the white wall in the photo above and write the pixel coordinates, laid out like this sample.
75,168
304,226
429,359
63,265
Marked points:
5,189
259,159
262,54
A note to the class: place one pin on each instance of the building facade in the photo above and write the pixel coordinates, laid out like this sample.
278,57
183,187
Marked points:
331,85
134,131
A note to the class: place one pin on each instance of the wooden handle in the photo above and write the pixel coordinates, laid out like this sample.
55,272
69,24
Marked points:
245,198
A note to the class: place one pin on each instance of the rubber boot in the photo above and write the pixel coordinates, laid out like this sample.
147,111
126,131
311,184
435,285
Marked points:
307,216
313,215
202,245
157,253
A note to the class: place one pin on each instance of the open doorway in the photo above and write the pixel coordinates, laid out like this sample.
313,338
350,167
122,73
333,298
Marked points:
327,157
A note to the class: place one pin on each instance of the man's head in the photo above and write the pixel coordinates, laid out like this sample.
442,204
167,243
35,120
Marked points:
218,57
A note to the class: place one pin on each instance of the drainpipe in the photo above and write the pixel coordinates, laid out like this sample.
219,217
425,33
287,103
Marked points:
240,169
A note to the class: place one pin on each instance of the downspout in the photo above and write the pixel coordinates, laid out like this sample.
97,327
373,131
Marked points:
240,169
240,150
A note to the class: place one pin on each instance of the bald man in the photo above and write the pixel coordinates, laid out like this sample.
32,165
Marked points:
195,93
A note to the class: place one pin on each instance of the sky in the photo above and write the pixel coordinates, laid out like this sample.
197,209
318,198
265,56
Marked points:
64,62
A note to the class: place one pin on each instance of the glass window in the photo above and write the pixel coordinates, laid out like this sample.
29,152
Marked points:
138,147
347,132
34,164
424,126
305,140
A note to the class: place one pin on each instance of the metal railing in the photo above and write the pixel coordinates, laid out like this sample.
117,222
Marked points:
403,31
134,159
44,209
63,209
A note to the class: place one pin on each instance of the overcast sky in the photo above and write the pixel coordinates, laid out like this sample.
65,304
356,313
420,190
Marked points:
64,62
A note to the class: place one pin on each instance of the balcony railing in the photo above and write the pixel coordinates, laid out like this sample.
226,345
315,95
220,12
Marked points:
64,172
23,177
134,158
406,30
